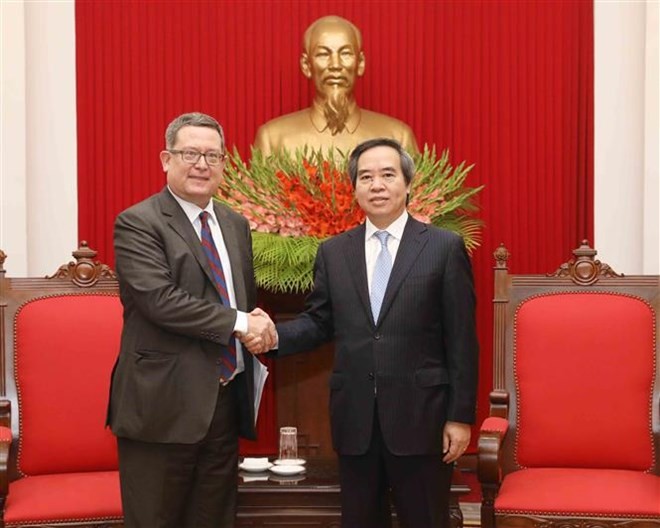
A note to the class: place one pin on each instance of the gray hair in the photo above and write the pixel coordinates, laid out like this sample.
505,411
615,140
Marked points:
407,163
192,119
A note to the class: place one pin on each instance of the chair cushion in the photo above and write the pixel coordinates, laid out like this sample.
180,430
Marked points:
52,499
584,366
65,347
580,492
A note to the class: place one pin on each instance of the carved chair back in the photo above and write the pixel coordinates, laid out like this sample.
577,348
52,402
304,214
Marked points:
60,340
576,365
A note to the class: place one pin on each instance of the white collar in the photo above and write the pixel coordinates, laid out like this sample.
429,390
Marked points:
192,210
395,229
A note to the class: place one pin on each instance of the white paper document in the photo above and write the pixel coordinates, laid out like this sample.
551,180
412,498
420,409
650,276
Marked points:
260,375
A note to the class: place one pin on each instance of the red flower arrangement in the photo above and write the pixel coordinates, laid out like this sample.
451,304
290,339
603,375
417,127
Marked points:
293,204
324,202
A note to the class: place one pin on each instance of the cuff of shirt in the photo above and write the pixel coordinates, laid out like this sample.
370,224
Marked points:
241,324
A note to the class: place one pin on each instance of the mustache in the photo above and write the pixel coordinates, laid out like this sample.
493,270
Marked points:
336,78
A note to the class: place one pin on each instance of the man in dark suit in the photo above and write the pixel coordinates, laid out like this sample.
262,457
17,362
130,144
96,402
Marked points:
182,388
397,297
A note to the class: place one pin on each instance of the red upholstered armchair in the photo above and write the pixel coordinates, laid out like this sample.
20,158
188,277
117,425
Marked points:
60,337
574,429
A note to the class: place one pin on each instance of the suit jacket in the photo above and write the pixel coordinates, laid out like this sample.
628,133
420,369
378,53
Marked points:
165,382
418,364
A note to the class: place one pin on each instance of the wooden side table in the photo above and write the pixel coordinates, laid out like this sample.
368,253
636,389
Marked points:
266,500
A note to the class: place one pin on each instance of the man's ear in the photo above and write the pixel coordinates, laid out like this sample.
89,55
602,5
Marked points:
361,64
165,158
305,66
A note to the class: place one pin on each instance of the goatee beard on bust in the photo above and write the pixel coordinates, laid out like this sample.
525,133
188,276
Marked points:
335,111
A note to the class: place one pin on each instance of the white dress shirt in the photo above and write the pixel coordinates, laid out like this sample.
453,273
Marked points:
372,244
192,211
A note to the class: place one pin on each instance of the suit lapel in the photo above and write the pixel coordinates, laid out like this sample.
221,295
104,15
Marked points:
413,240
355,259
181,225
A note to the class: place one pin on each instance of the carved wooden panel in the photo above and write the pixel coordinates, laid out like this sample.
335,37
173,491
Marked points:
85,271
302,395
301,383
584,269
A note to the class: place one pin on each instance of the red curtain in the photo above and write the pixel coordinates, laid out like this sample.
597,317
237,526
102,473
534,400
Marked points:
507,85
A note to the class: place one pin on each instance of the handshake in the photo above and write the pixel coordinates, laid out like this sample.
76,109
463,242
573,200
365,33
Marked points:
261,335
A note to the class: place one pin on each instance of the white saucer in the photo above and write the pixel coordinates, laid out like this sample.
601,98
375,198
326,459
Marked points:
253,468
287,470
290,462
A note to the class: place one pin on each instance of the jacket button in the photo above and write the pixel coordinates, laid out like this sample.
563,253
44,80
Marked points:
376,336
371,376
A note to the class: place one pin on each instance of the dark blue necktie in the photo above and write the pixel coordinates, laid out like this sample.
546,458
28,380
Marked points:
228,357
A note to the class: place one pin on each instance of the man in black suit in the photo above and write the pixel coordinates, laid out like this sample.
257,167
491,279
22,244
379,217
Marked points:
397,297
182,388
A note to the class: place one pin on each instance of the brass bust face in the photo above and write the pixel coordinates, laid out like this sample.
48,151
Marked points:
333,59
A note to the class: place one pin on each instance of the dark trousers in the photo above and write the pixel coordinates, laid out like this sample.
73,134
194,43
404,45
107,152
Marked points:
418,485
183,485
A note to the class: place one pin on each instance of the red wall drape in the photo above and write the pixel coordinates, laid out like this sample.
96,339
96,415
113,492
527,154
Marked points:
507,85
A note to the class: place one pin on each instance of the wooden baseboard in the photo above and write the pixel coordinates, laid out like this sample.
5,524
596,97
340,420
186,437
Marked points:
471,513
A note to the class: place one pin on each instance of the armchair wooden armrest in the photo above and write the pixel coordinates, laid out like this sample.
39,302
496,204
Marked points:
489,466
491,434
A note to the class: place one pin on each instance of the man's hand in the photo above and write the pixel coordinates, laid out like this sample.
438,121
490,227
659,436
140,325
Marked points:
455,439
261,335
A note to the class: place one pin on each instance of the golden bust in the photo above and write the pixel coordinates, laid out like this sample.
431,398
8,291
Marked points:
333,58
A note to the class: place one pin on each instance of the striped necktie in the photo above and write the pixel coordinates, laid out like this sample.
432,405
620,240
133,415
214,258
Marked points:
228,355
381,274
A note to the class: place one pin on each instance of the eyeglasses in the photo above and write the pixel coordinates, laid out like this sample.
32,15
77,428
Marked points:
192,156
